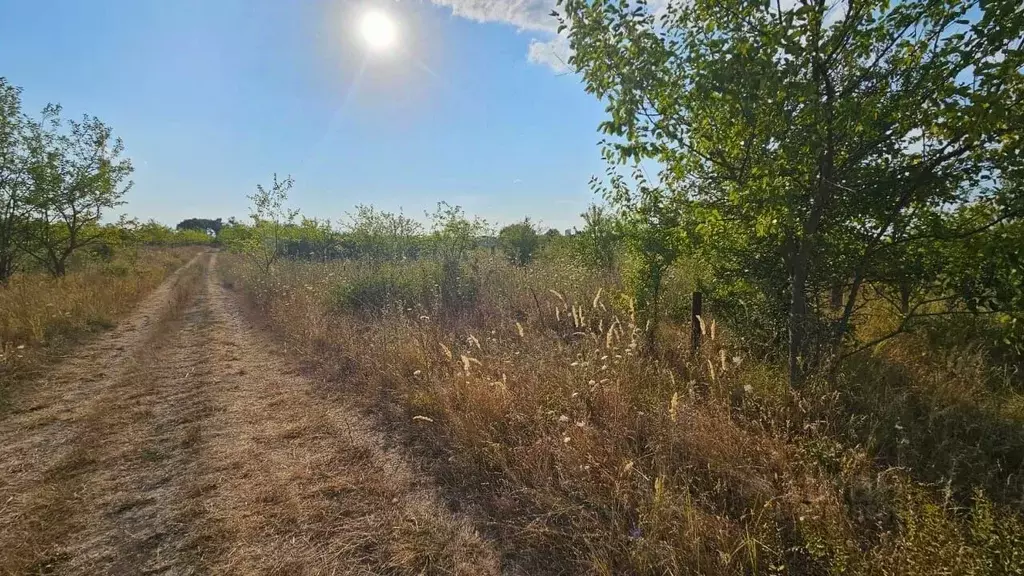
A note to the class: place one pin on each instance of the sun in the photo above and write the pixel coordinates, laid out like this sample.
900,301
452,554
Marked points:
378,30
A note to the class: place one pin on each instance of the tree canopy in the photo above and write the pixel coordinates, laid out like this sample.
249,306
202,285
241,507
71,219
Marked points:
812,145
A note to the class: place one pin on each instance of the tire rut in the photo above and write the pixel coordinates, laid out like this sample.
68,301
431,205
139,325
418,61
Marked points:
56,436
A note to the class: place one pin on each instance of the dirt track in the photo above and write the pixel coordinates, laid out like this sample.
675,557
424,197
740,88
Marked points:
181,443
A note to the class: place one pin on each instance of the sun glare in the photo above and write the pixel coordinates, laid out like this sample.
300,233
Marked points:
378,30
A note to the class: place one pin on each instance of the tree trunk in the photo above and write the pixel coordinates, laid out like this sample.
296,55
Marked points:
696,311
905,293
797,321
835,299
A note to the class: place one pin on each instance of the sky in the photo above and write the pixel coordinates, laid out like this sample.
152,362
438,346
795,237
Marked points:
473,104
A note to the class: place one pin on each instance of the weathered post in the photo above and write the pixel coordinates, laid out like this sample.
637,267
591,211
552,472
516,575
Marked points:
695,331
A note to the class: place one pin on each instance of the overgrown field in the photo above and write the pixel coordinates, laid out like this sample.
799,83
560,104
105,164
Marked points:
529,392
40,315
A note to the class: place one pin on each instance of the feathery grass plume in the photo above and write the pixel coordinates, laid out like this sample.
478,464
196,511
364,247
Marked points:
673,407
519,328
559,295
472,340
627,468
447,351
423,418
597,298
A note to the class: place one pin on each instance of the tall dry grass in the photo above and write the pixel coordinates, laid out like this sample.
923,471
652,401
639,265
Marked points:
584,456
40,316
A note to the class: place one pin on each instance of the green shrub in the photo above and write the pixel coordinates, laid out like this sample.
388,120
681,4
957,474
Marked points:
385,288
519,242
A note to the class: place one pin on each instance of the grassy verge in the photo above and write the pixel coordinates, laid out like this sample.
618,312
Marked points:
585,456
41,316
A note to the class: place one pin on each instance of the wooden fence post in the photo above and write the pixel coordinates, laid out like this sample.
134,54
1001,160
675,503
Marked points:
695,312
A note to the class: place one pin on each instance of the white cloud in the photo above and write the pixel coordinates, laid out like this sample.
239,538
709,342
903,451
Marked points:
553,53
550,50
523,14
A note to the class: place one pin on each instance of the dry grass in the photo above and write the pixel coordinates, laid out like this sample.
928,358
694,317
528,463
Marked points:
185,444
40,316
587,457
59,460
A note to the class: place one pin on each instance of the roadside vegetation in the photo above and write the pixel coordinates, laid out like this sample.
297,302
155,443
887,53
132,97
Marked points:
844,191
534,392
529,390
64,272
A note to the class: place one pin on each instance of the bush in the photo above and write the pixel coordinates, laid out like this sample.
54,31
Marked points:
519,242
380,289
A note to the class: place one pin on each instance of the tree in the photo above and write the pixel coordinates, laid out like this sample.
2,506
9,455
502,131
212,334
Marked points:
201,224
599,239
453,235
154,233
14,184
812,145
519,241
381,236
75,174
315,239
270,220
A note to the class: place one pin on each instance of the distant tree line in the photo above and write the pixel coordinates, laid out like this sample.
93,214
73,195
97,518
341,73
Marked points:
211,227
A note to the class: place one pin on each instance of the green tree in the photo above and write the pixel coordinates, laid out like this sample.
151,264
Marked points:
76,173
452,237
235,235
599,240
271,220
317,238
649,224
201,224
519,242
811,144
381,236
14,182
153,233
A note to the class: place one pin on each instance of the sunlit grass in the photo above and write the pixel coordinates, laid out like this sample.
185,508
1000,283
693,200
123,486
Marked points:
39,314
587,456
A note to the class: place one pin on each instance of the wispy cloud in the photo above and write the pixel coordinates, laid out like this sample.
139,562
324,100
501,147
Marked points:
548,49
532,15
553,53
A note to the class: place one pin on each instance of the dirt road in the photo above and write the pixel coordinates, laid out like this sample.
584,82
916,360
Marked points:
182,443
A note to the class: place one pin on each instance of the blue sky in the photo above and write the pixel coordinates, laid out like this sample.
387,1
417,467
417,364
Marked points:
213,96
